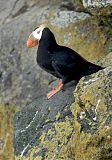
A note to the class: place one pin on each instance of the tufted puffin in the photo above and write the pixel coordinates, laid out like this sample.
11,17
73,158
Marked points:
60,61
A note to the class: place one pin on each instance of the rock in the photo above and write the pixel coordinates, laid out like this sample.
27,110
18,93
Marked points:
19,8
6,131
107,61
64,18
21,76
86,133
103,7
38,117
92,117
12,8
99,4
59,132
6,8
72,5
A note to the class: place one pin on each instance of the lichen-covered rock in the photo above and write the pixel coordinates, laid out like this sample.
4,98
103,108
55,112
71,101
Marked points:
88,133
92,117
86,30
38,117
6,131
107,61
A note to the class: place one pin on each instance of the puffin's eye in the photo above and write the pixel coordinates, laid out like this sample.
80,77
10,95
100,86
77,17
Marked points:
38,32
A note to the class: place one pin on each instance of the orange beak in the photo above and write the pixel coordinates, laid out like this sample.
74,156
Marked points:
31,43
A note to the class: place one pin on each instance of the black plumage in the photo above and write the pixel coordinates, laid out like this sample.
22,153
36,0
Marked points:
60,61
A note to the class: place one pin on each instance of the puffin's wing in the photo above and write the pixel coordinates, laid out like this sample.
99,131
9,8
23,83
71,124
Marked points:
63,69
67,63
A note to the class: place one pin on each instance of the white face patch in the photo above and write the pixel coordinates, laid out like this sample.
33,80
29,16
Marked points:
38,32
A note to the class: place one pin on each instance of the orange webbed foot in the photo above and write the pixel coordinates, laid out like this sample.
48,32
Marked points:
55,90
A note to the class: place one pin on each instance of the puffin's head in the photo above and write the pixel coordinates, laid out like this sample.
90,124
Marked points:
35,36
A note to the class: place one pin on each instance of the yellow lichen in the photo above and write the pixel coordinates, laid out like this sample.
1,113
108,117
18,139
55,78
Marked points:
58,116
6,131
56,138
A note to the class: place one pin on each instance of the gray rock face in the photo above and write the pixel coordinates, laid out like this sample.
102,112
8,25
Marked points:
97,3
20,75
62,19
6,8
98,7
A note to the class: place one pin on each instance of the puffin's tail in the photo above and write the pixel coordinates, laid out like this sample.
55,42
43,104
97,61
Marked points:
93,68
